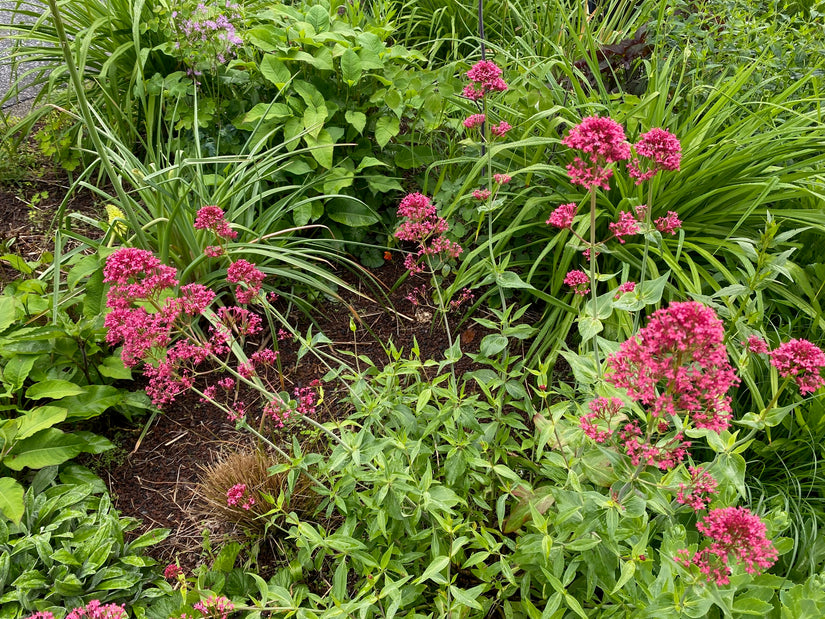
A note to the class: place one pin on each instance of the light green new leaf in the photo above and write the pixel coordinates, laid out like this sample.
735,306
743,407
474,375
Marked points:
45,448
38,419
321,147
357,120
7,313
275,71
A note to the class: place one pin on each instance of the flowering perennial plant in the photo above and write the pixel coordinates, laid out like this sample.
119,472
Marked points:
756,345
207,35
624,288
678,364
801,361
668,224
656,150
215,607
734,533
578,281
239,495
423,226
602,141
563,216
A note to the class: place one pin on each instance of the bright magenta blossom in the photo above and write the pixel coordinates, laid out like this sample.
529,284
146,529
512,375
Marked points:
602,141
802,361
735,533
215,607
481,194
756,345
678,364
212,218
579,281
563,216
473,121
238,494
487,77
502,179
426,228
623,288
172,572
626,226
96,610
501,129
669,224
243,272
660,149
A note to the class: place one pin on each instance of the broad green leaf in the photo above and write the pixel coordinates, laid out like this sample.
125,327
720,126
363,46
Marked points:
7,312
357,120
628,570
275,71
151,538
54,389
93,402
492,344
38,419
351,213
17,370
321,147
83,269
308,93
386,129
318,17
462,597
46,448
350,67
112,367
267,111
314,118
11,499
589,327
383,184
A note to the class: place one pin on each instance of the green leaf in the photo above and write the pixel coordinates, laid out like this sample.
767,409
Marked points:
383,184
54,389
357,120
267,111
752,606
95,400
7,312
463,597
351,213
275,71
350,67
628,570
433,571
38,419
318,17
650,292
321,147
11,499
508,279
386,129
151,538
112,367
314,118
17,370
589,327
492,344
46,448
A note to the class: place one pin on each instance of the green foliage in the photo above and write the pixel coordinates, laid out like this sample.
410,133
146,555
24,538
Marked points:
69,548
52,373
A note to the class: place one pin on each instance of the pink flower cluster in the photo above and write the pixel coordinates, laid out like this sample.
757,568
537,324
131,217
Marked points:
734,533
172,571
665,454
562,216
802,361
604,409
668,224
677,364
602,141
96,610
212,218
697,491
626,226
243,272
481,194
578,281
423,226
465,297
502,179
238,493
501,129
486,77
660,149
216,607
307,398
474,121
756,345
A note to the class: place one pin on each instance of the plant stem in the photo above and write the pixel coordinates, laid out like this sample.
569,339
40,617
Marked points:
593,274
443,312
637,318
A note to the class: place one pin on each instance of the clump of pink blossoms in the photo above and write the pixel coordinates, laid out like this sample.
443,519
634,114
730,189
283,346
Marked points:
96,610
238,494
212,218
604,409
486,77
243,272
474,121
172,572
602,141
656,150
756,345
624,288
802,361
579,281
563,216
734,533
668,224
627,225
678,364
215,606
697,491
423,226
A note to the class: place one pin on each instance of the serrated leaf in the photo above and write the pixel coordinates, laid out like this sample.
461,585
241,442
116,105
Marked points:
386,129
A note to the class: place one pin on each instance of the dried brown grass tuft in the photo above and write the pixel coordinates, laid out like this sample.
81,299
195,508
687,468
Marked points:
249,466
